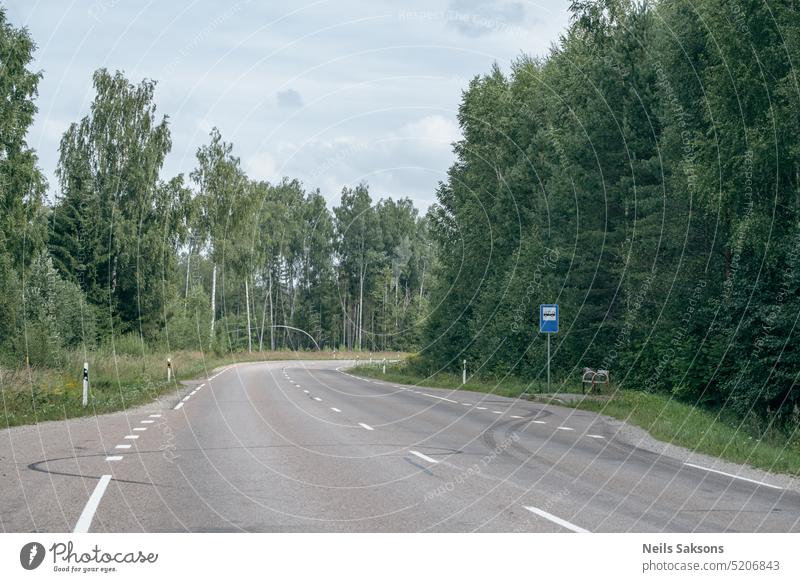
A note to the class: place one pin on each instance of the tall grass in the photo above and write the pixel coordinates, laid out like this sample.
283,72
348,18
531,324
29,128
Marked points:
122,374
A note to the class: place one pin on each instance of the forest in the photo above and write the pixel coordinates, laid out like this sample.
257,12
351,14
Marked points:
644,175
209,261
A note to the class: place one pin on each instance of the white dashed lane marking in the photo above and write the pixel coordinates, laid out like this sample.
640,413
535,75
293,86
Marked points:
132,437
365,426
500,412
423,456
114,458
562,522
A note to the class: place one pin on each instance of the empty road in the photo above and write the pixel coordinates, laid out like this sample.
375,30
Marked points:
302,446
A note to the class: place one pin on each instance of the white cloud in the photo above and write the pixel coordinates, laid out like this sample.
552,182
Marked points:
433,128
205,125
261,166
289,99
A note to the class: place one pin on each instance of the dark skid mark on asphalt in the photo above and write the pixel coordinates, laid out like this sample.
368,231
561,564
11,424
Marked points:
35,467
418,466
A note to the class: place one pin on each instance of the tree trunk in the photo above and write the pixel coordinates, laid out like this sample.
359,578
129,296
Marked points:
188,267
271,316
213,299
247,301
360,307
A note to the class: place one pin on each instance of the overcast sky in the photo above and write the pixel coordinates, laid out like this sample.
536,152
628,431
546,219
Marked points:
331,92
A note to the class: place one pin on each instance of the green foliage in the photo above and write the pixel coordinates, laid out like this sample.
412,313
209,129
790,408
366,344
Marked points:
115,226
22,185
644,176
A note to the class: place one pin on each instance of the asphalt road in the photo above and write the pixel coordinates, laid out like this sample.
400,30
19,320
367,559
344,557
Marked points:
301,446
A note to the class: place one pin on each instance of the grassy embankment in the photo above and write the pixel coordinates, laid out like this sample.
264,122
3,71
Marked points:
118,381
665,418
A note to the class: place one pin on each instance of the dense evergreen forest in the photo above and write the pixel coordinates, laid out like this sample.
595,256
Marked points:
644,175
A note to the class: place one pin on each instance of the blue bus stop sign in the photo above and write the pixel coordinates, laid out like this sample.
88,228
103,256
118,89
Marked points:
548,318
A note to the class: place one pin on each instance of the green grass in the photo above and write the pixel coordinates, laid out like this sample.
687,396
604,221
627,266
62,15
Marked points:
700,430
510,387
665,418
118,381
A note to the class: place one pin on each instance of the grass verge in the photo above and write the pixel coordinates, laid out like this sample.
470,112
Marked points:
510,387
665,418
118,381
700,430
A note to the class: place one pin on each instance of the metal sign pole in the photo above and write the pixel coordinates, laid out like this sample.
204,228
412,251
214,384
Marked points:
548,324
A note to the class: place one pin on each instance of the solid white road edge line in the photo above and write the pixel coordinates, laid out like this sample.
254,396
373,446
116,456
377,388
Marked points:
366,426
423,456
554,519
87,515
732,475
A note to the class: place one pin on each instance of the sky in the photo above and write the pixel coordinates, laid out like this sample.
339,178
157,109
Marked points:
333,93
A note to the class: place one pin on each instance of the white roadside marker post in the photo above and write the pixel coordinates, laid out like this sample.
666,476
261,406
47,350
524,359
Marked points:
85,384
169,369
384,365
464,374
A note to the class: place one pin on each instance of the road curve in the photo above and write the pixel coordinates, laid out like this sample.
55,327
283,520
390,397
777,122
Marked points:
302,446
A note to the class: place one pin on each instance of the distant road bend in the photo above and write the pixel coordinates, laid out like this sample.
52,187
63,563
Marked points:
302,446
